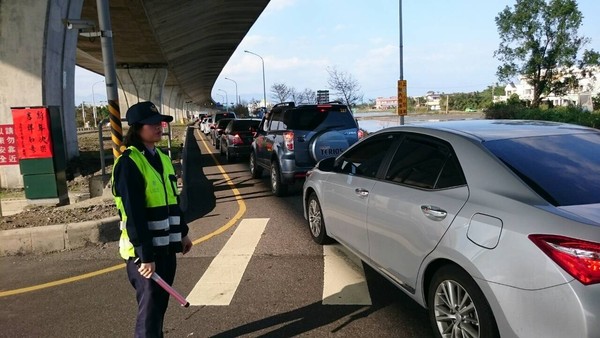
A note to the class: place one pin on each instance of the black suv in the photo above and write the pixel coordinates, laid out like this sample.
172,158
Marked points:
291,139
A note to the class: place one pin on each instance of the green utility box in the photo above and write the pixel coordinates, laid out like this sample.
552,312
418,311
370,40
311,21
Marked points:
42,156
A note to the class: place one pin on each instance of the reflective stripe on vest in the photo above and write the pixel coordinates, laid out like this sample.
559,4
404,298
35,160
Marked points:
160,199
159,225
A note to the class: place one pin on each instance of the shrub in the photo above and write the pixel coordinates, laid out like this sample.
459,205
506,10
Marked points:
573,115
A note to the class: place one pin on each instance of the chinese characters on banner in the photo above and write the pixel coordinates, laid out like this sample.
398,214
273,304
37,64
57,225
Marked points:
8,145
32,132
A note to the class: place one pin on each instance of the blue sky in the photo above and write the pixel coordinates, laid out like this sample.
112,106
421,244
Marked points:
448,47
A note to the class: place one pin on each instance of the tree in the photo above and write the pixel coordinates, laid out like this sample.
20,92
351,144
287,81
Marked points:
281,92
308,96
596,102
345,86
539,40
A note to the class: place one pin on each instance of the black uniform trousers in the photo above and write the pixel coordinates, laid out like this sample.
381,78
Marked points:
152,299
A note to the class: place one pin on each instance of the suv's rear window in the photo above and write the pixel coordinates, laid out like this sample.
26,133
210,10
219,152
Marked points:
311,118
563,168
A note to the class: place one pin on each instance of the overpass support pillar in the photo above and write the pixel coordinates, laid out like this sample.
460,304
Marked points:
139,83
38,67
173,103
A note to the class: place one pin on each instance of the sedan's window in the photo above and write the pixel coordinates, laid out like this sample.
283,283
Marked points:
243,125
366,157
451,175
424,164
563,169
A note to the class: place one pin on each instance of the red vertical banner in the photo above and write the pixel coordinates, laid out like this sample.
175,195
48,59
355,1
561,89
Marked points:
32,132
8,145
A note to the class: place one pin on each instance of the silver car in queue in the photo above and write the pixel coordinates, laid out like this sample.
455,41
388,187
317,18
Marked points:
492,225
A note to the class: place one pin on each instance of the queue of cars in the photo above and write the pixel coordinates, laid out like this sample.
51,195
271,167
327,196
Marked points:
493,226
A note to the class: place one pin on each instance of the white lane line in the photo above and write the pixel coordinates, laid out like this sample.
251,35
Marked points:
344,281
220,281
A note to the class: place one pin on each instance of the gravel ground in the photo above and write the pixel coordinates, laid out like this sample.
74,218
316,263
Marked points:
79,171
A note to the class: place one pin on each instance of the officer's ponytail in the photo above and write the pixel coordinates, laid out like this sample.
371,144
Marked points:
132,138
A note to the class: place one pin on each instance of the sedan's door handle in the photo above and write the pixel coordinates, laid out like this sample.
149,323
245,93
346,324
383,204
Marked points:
361,192
433,212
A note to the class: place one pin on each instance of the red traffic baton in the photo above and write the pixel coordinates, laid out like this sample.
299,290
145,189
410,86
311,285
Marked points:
155,277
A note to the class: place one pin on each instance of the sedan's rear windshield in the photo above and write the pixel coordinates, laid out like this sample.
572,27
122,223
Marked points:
564,169
244,125
310,119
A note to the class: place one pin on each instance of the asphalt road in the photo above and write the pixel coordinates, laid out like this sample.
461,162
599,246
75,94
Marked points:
280,293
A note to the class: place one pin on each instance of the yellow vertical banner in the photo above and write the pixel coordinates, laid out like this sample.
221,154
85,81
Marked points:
402,107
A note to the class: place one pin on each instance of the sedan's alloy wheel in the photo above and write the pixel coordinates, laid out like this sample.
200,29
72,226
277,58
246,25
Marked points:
455,312
314,218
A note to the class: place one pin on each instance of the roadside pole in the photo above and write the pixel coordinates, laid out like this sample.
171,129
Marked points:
402,98
110,76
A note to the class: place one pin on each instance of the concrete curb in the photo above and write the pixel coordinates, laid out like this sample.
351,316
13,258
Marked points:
58,237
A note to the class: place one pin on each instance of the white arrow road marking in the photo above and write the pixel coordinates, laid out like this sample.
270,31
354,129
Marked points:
219,282
344,281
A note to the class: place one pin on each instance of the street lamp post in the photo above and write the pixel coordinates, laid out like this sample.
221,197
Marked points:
94,104
237,100
226,99
263,71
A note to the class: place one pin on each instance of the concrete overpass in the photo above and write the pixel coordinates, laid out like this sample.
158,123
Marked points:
167,51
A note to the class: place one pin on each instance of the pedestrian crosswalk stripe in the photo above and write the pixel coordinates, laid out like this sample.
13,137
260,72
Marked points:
220,281
344,281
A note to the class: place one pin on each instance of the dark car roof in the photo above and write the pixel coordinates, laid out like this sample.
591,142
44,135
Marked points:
488,130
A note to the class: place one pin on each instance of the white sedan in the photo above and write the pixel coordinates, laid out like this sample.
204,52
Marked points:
493,226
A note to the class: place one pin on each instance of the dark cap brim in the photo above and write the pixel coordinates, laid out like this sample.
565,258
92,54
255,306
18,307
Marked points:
155,119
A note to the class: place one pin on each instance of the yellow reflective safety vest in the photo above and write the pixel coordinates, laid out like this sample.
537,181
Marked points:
162,211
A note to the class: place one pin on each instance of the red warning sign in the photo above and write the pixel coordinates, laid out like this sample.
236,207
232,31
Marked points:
32,132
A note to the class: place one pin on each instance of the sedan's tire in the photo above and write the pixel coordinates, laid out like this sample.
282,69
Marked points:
255,169
316,221
457,307
277,186
228,157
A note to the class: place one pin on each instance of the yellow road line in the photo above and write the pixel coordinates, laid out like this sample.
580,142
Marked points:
232,222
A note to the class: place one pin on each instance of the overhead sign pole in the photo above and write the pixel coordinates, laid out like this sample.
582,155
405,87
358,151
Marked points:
402,99
110,77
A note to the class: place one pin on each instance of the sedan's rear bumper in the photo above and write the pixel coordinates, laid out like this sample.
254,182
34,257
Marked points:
239,151
567,310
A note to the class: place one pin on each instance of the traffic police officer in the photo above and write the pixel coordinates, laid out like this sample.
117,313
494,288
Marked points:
152,225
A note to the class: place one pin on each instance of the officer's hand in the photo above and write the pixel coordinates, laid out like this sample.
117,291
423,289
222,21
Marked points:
147,269
187,244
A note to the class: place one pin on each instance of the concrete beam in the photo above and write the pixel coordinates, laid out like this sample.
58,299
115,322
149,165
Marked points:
140,84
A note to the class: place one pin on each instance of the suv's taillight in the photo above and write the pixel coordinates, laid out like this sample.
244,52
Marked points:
581,259
288,140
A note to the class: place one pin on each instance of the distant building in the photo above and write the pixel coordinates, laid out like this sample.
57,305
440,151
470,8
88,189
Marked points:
432,100
383,103
588,87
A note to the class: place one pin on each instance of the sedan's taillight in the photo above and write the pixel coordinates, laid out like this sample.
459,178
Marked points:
237,139
288,139
581,259
360,133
